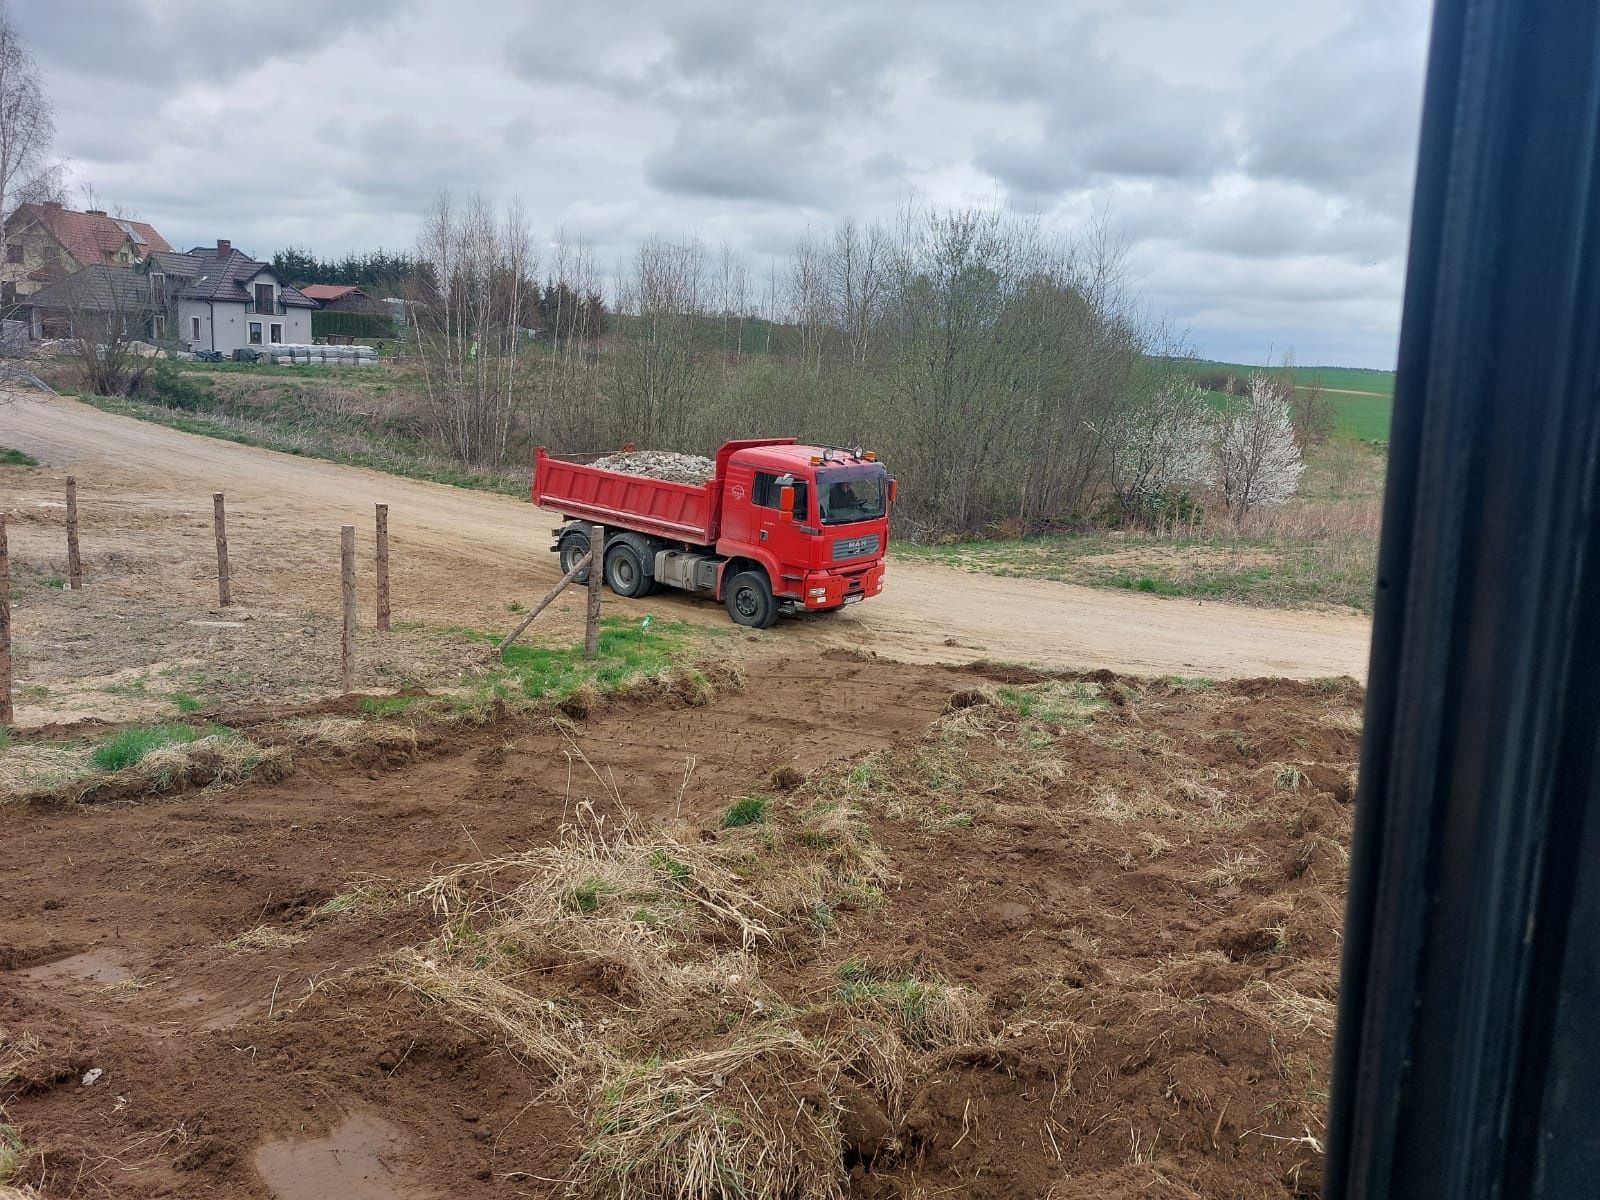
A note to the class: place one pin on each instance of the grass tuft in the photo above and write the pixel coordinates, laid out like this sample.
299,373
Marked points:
747,810
131,745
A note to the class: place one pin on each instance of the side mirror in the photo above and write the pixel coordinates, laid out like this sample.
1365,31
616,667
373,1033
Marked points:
894,490
786,504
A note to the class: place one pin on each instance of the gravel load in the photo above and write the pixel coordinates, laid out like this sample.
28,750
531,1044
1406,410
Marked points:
660,464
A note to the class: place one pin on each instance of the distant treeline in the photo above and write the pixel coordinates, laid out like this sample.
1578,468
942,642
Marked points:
373,269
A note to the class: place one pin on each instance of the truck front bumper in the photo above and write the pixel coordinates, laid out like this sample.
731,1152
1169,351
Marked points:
830,589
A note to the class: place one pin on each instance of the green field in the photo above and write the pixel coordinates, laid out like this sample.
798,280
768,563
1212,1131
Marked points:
1362,398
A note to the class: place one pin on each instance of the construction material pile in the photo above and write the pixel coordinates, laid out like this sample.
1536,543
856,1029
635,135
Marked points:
660,464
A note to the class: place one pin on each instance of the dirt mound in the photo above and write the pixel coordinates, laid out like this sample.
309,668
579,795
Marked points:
1070,936
660,464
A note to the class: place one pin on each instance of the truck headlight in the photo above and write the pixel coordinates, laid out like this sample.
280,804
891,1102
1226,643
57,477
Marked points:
819,592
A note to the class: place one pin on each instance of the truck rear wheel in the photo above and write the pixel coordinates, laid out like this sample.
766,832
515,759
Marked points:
749,599
625,571
574,545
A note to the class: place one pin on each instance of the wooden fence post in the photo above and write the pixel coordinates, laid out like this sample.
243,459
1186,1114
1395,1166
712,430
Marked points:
5,626
383,566
219,523
74,563
591,620
347,582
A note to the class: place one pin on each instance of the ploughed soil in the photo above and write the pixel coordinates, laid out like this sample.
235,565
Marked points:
1139,884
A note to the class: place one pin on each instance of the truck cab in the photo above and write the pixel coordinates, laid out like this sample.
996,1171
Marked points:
816,519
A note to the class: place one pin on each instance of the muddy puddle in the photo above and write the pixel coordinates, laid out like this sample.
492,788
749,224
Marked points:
361,1158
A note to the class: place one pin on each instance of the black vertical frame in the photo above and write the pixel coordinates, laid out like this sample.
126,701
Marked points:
1468,1052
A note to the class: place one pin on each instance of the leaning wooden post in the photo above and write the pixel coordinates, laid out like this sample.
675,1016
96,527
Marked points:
578,568
591,620
347,583
383,566
74,564
219,523
5,626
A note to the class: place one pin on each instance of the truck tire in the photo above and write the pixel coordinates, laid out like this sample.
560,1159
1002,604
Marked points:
574,545
749,600
625,571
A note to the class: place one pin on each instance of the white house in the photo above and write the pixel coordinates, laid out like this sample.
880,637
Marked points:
222,299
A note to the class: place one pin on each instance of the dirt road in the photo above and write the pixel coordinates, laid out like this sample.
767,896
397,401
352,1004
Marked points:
461,557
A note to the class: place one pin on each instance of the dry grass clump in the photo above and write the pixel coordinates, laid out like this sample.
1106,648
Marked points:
755,1119
345,734
991,746
69,774
627,964
29,772
263,937
930,1012
590,956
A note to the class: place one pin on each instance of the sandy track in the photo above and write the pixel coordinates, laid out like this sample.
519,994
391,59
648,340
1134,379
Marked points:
461,556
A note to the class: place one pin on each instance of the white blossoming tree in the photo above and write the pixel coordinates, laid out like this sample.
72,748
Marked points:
1160,448
1255,459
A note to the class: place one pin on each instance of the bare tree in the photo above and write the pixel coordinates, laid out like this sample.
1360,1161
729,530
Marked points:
27,124
856,278
106,312
657,367
469,323
809,299
1255,458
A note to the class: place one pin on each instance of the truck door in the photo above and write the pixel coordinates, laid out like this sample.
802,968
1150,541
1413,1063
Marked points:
785,540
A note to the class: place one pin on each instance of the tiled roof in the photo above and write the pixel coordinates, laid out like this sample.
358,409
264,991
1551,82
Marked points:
226,278
98,288
89,237
323,292
180,266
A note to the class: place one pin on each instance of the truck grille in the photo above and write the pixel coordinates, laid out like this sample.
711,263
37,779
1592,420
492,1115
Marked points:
859,547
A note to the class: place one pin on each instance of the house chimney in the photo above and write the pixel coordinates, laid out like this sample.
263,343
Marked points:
94,212
224,247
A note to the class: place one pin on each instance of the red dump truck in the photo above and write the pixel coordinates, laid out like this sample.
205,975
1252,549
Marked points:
778,528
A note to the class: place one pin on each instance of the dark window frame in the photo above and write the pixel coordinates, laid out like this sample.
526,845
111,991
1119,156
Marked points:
764,493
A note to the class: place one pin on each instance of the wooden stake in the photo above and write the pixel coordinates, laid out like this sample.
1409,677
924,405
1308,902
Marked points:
5,626
591,620
383,566
74,564
219,522
577,569
347,582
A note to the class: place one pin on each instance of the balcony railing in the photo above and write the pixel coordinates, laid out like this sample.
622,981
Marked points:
276,309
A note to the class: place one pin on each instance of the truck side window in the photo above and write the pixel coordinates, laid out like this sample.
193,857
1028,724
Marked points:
766,489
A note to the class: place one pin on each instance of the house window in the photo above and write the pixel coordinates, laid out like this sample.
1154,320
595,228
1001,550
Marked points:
255,333
14,252
277,334
158,283
8,294
263,297
194,327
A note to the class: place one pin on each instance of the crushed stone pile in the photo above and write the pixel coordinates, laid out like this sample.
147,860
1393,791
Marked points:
660,464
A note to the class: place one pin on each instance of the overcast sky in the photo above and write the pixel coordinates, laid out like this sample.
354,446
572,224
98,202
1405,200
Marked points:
1255,155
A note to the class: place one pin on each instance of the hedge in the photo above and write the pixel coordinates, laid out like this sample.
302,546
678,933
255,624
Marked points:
355,324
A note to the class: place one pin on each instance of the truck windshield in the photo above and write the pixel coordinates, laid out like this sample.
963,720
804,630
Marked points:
852,494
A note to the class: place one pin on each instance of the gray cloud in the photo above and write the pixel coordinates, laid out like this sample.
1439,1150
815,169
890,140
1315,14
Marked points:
1256,156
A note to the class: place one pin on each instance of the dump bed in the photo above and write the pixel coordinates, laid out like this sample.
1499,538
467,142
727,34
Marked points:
683,512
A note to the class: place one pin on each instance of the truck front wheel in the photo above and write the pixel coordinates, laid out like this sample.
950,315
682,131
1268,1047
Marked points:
625,571
748,596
